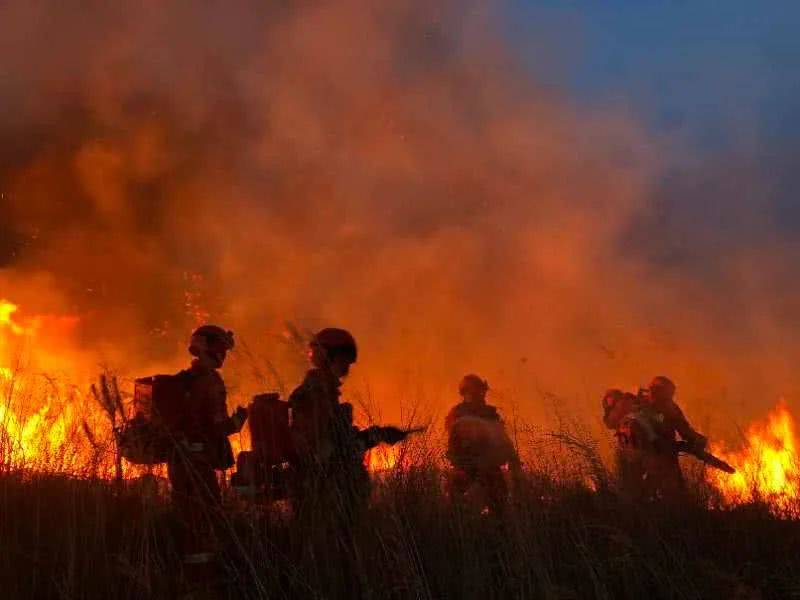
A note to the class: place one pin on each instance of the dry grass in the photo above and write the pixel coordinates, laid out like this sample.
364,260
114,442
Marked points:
88,538
566,535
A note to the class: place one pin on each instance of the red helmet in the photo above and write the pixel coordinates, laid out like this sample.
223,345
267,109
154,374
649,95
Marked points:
474,383
334,341
210,338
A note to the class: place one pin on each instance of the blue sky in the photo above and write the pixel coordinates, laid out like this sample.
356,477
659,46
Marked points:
701,65
717,85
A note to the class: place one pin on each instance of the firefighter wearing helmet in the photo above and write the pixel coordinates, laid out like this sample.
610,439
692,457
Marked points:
201,431
315,402
329,450
666,422
647,427
478,446
320,434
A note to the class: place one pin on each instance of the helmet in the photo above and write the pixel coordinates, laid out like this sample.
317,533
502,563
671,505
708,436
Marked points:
472,382
662,383
334,341
210,338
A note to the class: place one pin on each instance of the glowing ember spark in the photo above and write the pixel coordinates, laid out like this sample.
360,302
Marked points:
767,468
193,299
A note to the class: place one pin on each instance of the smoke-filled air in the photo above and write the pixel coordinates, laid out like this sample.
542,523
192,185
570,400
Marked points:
420,299
392,168
395,170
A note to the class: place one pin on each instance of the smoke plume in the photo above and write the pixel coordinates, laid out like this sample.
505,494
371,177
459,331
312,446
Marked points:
391,168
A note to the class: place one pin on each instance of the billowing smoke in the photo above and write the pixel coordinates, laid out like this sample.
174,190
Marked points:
387,167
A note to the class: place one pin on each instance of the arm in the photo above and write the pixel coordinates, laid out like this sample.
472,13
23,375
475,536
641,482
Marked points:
686,431
225,425
513,458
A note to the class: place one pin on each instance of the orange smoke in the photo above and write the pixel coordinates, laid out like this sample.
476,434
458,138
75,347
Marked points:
392,168
768,466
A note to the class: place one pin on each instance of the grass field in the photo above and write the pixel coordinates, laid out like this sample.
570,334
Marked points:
566,535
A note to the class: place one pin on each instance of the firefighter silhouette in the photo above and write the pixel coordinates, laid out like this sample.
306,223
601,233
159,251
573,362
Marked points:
199,424
330,479
478,447
647,427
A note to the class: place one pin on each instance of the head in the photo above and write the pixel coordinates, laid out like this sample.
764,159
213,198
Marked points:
473,389
210,345
662,390
334,350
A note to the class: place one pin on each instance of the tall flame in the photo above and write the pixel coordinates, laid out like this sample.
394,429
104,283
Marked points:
768,467
8,328
43,419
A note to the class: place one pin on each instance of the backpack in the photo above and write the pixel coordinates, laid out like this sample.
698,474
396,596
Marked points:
270,435
160,403
475,442
271,443
635,431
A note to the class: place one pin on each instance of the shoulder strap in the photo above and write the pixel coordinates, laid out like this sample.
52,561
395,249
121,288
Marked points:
185,376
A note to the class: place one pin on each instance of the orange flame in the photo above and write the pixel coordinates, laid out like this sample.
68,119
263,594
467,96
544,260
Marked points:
8,328
49,424
42,421
767,468
382,458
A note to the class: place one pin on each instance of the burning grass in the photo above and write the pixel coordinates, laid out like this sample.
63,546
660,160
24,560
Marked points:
75,523
768,466
567,534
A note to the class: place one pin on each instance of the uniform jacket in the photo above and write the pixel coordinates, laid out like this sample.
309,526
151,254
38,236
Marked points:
314,405
207,424
476,437
655,427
